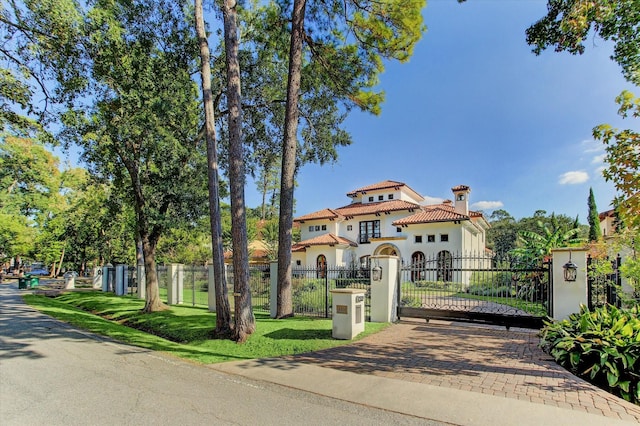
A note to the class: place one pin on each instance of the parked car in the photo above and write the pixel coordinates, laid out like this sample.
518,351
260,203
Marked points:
39,271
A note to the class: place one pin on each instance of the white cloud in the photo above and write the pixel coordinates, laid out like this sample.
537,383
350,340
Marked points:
598,159
431,200
573,178
487,205
590,146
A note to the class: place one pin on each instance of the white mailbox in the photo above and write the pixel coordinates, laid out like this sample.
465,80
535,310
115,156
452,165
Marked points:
348,312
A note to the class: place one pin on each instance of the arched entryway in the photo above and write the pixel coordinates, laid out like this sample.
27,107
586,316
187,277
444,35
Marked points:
321,266
387,250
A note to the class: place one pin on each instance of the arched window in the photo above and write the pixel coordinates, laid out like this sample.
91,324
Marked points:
417,266
321,266
444,266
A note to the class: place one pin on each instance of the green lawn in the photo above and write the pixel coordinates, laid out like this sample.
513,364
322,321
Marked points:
186,331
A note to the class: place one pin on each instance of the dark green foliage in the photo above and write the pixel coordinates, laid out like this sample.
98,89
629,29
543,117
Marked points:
595,233
568,24
602,346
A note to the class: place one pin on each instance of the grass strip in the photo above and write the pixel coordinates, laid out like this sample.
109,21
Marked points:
186,331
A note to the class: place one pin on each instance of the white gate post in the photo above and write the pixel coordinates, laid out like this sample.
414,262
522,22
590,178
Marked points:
384,300
97,277
211,292
175,287
569,295
273,289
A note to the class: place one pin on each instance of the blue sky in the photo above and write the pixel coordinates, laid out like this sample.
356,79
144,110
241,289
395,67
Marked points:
475,106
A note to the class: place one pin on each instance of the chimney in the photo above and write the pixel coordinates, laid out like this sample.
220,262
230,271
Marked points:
461,197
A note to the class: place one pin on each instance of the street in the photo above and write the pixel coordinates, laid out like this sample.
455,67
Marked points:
53,374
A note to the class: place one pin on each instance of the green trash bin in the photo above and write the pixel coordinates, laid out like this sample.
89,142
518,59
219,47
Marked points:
34,282
22,283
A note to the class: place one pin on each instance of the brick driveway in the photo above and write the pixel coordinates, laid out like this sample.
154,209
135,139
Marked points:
485,359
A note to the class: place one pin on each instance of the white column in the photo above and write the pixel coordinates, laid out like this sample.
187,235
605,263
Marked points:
211,293
175,287
97,277
384,303
141,278
69,282
569,295
273,289
120,281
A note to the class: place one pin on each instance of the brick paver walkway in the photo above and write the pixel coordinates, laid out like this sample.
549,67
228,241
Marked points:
490,360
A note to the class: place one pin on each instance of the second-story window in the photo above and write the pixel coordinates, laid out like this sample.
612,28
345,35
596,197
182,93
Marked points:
324,227
418,238
369,229
444,237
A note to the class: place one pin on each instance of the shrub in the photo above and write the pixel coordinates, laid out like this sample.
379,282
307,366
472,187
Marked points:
602,347
410,301
482,290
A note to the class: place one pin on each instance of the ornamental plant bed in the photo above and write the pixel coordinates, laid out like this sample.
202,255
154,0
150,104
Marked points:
601,346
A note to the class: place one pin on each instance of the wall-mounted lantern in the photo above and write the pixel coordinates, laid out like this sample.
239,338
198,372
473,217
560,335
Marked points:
376,273
570,270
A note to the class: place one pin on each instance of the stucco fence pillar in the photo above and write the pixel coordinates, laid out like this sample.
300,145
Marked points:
175,286
384,294
567,296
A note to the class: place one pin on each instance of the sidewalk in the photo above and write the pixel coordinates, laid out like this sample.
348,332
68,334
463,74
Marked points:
449,372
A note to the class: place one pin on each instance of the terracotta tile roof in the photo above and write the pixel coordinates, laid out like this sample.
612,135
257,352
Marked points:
325,240
460,188
609,213
385,184
376,186
433,213
321,214
358,209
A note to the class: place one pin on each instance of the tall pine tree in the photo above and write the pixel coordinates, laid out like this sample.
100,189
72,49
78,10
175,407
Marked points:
595,233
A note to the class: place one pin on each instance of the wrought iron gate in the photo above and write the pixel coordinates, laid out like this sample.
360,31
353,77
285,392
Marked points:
477,288
603,282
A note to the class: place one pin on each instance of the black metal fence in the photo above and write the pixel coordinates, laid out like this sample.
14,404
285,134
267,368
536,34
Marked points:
259,282
473,286
311,288
603,282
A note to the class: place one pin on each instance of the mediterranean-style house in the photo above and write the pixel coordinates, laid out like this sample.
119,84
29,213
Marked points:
608,223
387,218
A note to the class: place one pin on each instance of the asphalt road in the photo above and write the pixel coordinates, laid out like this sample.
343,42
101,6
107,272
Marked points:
53,374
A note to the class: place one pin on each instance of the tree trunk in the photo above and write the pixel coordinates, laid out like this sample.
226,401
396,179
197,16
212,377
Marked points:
223,310
59,264
289,146
153,302
244,323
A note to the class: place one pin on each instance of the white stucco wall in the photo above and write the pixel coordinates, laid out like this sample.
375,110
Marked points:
568,296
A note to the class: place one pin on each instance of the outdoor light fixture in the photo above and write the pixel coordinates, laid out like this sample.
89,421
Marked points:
376,273
570,269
